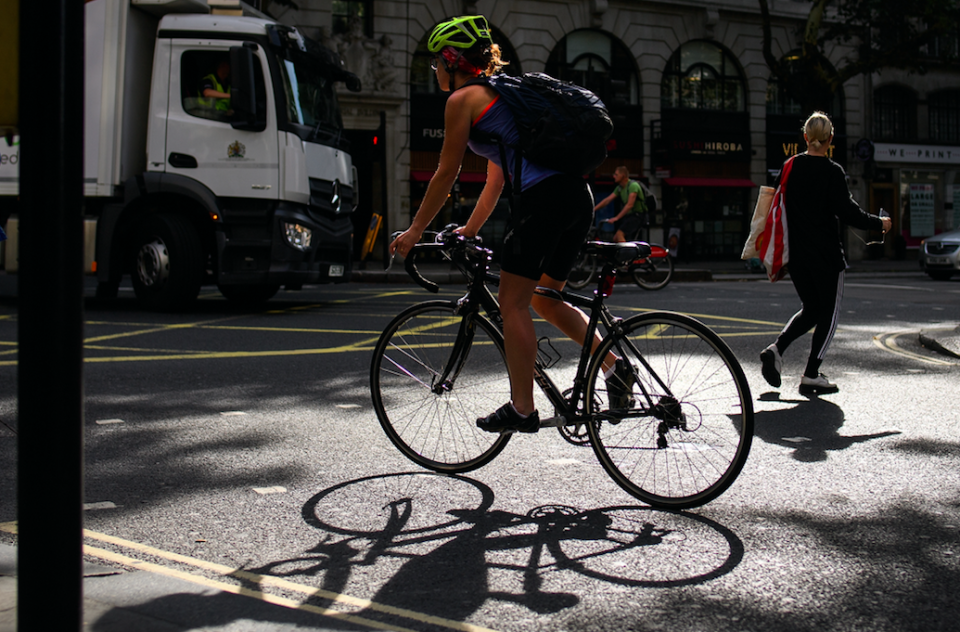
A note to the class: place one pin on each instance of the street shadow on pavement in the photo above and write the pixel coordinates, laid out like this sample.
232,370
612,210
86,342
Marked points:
811,428
448,562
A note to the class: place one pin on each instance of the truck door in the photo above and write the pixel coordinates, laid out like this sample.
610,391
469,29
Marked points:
201,142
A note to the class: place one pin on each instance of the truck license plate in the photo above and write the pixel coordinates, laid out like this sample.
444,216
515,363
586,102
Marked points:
336,271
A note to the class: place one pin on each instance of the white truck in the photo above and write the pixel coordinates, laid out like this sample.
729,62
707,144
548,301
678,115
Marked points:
181,190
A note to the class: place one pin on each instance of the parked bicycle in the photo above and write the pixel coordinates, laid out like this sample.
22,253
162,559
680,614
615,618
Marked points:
650,272
675,437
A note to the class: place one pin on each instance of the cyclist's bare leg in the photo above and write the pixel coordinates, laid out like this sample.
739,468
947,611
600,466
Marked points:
572,321
519,337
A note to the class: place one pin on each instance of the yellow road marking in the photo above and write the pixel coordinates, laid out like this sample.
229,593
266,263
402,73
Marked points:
263,580
888,342
236,590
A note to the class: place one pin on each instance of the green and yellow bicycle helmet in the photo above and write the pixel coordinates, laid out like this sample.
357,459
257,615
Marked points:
463,33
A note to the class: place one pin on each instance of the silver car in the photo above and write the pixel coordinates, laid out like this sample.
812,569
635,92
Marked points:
940,255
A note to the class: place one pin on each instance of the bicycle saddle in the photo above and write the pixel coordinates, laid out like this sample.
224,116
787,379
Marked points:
619,253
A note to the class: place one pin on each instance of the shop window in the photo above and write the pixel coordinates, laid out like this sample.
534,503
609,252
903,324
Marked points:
944,116
894,114
702,76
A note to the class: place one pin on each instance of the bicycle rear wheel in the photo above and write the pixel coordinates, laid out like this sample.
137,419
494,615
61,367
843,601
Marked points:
583,271
428,411
688,432
655,273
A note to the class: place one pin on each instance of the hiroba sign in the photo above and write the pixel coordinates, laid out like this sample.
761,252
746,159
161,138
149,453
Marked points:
929,154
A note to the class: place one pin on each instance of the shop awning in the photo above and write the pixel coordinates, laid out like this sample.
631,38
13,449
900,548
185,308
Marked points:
709,182
465,176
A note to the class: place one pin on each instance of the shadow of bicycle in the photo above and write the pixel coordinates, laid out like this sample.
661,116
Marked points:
436,545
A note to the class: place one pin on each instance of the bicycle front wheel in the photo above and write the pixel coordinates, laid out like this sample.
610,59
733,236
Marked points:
433,375
688,429
655,273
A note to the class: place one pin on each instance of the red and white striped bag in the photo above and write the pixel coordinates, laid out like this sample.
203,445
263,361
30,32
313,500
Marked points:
773,247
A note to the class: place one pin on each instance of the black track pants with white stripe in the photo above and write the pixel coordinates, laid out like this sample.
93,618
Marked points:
820,294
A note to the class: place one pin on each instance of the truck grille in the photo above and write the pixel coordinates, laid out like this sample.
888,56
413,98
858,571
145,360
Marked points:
330,198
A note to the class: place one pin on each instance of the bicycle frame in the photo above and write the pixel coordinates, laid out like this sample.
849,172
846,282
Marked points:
572,411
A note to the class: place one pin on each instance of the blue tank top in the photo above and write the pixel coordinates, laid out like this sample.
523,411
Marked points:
498,120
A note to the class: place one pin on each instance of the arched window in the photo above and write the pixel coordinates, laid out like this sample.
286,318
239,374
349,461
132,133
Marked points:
780,102
702,76
894,114
598,62
944,116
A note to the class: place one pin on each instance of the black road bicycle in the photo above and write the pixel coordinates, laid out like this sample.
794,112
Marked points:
679,439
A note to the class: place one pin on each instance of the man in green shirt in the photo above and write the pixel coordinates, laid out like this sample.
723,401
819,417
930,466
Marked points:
633,211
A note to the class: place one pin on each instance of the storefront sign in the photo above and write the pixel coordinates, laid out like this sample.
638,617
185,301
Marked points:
897,152
922,205
709,148
956,206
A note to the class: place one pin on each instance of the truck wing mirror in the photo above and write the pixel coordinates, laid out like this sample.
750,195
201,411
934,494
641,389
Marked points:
243,90
352,81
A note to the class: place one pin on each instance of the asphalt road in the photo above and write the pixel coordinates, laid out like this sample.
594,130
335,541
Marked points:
239,449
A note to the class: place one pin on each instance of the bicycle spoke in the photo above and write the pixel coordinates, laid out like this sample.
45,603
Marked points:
690,439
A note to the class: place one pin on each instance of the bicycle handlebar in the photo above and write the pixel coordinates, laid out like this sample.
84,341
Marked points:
444,241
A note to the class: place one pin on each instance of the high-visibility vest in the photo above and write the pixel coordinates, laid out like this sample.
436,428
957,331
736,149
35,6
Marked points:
222,105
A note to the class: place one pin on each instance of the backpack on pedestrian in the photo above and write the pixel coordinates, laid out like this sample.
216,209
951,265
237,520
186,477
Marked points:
562,126
649,198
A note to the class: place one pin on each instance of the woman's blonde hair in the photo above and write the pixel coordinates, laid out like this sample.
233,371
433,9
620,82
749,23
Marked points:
487,59
818,129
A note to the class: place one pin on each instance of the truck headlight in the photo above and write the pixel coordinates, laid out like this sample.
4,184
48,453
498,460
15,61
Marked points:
298,236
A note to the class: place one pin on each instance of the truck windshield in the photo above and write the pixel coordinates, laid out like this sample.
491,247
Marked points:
309,91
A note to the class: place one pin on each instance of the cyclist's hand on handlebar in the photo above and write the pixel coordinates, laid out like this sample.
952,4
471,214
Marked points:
405,242
465,232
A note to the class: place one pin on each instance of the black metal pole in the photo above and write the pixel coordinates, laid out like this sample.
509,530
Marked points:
384,198
50,289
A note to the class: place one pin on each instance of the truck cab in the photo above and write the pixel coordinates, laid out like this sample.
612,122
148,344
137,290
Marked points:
250,190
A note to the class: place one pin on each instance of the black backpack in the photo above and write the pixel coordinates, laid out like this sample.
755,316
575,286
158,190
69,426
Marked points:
562,126
649,198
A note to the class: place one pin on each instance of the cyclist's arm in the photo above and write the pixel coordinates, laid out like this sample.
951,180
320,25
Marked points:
487,202
604,202
456,133
631,200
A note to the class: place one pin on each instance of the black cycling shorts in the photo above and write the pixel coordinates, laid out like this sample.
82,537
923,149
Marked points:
555,215
630,224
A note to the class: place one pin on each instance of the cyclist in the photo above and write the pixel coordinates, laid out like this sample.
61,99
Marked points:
633,211
545,233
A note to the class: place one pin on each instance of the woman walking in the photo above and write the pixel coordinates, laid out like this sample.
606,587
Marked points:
816,198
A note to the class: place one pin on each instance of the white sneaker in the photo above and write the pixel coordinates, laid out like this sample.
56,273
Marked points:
819,385
771,361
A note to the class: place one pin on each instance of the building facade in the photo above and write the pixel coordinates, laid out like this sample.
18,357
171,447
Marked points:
696,114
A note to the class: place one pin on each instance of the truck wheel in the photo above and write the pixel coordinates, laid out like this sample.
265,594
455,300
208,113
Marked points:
167,267
249,294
